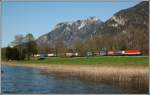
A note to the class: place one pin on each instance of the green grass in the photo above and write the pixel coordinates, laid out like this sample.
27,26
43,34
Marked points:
116,60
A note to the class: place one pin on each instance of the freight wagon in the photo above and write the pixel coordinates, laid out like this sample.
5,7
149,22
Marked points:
121,53
103,53
89,53
111,53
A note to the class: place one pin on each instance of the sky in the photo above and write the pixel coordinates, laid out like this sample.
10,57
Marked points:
39,18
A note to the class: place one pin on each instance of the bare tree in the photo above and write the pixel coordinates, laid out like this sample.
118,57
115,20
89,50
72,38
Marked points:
18,43
60,48
31,47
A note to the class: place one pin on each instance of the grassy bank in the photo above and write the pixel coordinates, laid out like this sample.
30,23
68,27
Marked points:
107,60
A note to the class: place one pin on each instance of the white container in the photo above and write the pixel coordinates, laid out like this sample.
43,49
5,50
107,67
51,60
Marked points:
51,55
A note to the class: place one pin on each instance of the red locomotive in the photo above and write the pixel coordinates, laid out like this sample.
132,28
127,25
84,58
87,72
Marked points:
132,52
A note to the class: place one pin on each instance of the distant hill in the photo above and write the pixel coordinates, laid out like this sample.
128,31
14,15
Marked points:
131,23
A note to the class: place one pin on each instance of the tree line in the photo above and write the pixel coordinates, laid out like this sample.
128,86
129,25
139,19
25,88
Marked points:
132,39
23,47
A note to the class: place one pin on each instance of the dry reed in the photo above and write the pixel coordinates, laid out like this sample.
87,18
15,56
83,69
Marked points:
111,74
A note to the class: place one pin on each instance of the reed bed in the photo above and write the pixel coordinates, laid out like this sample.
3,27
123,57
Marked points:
97,72
101,73
123,77
117,76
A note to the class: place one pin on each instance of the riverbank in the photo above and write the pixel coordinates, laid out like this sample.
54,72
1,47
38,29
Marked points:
96,72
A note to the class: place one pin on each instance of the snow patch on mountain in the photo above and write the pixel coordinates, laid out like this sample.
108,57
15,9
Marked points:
81,25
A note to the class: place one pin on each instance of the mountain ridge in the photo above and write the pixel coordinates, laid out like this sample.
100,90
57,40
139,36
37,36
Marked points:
78,28
124,22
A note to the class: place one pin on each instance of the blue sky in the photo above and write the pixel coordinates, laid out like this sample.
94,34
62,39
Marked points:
39,18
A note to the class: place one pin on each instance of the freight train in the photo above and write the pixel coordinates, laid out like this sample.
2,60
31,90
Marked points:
96,53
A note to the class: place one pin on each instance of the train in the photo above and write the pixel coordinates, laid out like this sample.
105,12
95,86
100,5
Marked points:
116,53
96,53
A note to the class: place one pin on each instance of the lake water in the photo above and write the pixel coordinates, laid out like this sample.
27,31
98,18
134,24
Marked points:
25,80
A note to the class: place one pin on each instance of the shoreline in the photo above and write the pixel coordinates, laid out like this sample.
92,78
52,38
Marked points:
98,73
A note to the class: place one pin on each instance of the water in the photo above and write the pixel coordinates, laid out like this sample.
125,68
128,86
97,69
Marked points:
25,80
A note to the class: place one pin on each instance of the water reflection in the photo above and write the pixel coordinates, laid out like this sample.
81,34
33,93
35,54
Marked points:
29,80
124,87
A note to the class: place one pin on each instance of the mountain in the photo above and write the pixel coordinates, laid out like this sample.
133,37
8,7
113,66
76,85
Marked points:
69,32
131,17
131,23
